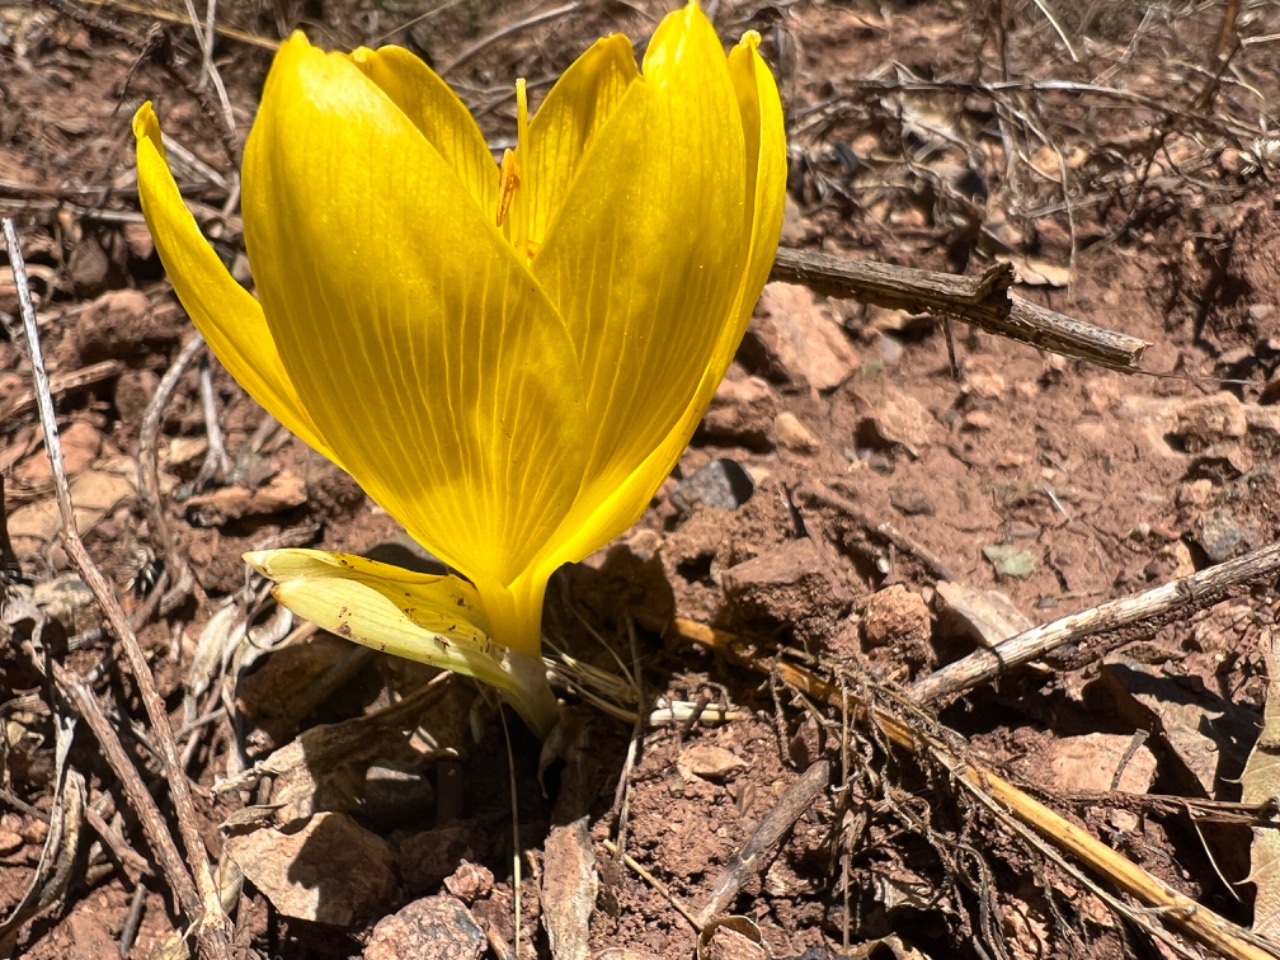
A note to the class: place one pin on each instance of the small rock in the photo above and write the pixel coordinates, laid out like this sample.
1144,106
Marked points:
786,585
117,326
984,386
793,434
1011,561
428,858
283,492
896,616
891,351
721,485
1222,536
742,411
81,444
139,241
901,420
439,927
10,842
330,870
1205,421
711,762
795,339
911,501
988,616
133,391
470,882
88,266
1088,763
977,420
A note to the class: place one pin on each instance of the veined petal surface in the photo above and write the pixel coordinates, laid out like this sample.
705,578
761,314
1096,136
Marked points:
422,347
228,316
438,114
643,260
594,523
578,106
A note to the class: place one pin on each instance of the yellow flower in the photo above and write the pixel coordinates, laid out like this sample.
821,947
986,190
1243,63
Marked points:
508,359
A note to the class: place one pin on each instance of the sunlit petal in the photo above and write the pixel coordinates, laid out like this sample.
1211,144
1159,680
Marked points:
421,346
593,524
578,106
228,316
644,259
438,114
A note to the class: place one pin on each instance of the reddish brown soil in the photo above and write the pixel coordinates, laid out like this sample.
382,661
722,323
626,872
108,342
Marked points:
847,418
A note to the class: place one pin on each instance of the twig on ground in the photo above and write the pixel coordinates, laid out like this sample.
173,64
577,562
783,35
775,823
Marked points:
639,869
985,302
212,929
60,384
1200,589
149,467
754,855
216,463
820,494
486,41
1192,918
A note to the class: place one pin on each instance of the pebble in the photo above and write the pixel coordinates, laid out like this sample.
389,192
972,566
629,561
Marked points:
795,339
793,434
895,615
722,484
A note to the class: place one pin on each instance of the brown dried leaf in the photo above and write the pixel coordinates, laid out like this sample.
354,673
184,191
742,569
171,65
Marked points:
1260,784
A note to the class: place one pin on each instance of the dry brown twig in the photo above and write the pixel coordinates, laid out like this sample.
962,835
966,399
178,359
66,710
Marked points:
212,928
985,302
1200,588
1048,827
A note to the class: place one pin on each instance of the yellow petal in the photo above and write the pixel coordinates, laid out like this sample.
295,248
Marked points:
423,349
438,114
586,530
436,620
224,312
765,140
643,261
578,106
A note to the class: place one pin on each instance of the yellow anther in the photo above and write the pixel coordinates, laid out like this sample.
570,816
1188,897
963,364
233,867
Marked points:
508,181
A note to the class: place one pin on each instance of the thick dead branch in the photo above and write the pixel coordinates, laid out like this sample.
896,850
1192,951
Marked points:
985,302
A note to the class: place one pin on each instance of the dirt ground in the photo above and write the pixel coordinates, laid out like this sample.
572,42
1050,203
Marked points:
853,504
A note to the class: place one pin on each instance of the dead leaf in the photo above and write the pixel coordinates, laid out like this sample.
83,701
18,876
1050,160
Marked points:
1260,784
328,870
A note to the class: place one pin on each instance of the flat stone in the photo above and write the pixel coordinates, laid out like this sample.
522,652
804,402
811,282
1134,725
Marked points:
794,339
328,870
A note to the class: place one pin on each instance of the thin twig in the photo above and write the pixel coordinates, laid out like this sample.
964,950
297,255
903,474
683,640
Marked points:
149,466
1201,588
486,41
212,927
776,824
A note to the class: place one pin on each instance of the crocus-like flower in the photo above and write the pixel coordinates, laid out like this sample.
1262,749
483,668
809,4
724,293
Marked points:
509,358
